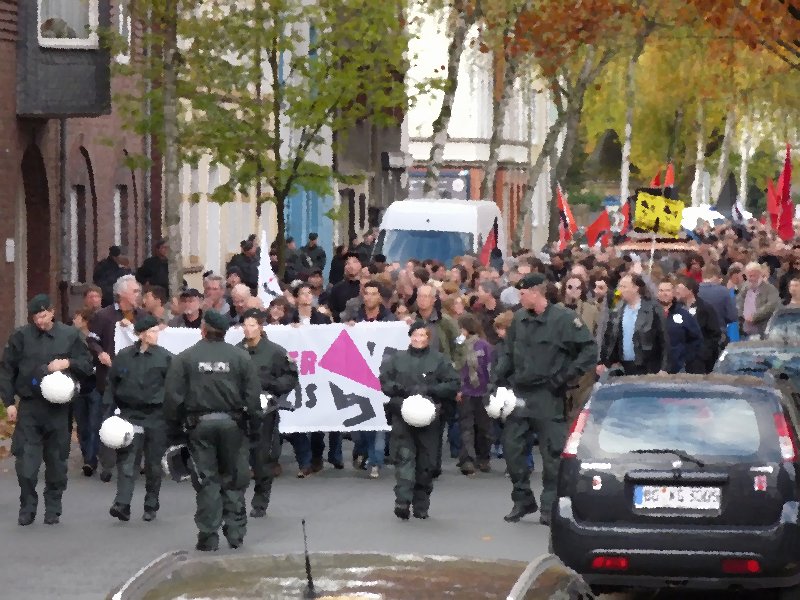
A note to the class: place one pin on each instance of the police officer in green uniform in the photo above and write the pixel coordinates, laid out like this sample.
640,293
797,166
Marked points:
278,376
427,372
42,432
547,346
135,385
212,388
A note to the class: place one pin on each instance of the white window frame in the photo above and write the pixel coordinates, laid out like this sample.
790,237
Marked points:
73,234
90,43
124,26
117,203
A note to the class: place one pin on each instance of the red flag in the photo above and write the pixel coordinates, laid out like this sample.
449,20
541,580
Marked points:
601,226
669,177
785,225
656,181
567,226
626,212
773,204
489,245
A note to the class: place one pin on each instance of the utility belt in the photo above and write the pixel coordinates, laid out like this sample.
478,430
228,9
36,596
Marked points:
145,409
193,420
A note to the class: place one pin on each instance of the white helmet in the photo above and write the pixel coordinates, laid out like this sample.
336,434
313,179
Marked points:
510,402
496,402
418,411
116,433
265,400
57,388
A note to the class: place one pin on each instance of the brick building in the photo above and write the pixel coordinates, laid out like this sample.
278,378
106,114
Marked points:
66,193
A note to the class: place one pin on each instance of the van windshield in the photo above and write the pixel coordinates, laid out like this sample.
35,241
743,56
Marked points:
403,245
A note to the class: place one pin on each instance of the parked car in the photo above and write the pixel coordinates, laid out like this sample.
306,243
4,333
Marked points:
784,324
759,357
686,482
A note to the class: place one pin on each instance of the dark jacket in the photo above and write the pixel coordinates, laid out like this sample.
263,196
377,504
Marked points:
276,373
135,382
340,294
650,338
426,372
707,319
313,258
101,336
294,265
180,321
154,271
685,338
317,318
28,352
337,270
384,315
544,351
106,273
721,300
211,376
248,265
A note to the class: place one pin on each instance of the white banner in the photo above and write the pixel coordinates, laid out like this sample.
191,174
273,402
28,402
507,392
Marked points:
338,365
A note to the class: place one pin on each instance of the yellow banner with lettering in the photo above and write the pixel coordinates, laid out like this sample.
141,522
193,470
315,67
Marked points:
657,214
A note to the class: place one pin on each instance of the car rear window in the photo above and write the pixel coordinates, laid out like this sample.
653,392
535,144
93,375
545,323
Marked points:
713,425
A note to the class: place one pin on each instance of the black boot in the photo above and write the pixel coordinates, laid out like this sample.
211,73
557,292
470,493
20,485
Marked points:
521,509
121,512
420,513
207,543
52,518
26,518
401,511
257,513
149,515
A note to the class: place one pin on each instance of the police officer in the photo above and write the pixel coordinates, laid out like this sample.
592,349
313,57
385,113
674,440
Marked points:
278,376
427,372
211,389
547,346
135,385
42,432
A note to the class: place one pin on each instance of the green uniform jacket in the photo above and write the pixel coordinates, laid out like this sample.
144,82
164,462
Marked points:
277,374
136,379
426,372
211,377
28,352
549,350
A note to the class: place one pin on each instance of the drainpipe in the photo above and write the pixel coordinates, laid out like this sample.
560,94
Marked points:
63,284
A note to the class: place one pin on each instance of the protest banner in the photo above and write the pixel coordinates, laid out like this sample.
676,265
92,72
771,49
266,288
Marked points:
658,215
338,365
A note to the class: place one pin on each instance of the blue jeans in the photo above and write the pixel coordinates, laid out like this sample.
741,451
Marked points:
374,443
310,447
88,414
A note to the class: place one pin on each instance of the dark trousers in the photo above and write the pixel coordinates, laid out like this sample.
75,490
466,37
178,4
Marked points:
544,416
219,450
414,451
263,456
88,412
475,426
152,444
41,434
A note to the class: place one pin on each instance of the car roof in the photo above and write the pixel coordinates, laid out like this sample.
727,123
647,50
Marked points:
684,379
781,310
782,345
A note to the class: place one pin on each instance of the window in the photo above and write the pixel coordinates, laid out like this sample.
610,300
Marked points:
68,23
123,20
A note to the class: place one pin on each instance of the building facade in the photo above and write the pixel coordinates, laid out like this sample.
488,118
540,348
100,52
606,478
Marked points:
66,193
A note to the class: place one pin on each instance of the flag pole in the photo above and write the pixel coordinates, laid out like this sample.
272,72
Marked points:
652,253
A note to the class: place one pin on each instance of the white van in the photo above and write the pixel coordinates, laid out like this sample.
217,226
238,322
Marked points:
438,229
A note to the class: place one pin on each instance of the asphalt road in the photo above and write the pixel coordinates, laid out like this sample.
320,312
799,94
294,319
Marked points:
89,552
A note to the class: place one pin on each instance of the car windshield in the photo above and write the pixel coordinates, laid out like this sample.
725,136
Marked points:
717,425
784,325
402,245
758,361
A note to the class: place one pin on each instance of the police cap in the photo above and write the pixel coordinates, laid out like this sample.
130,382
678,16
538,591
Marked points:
531,280
216,320
39,303
145,323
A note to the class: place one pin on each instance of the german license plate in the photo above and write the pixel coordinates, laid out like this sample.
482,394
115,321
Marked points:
670,496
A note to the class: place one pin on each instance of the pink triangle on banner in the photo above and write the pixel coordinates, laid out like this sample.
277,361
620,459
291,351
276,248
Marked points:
344,358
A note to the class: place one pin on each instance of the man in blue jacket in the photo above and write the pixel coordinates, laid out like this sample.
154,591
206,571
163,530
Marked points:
683,332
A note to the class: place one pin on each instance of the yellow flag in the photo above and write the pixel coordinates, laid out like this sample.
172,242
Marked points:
657,214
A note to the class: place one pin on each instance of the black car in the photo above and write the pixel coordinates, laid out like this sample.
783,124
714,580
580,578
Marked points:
784,324
687,481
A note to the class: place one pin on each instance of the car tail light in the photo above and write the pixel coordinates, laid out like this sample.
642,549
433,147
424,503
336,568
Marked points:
784,438
574,439
740,566
610,563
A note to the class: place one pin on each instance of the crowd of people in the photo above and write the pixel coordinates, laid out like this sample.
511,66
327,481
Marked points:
542,324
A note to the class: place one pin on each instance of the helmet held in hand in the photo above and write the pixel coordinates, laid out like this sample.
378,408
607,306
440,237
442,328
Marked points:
57,388
116,433
418,411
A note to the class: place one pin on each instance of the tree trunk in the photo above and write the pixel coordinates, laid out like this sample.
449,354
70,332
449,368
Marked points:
724,153
745,150
700,156
630,98
499,110
280,237
172,197
675,135
442,121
